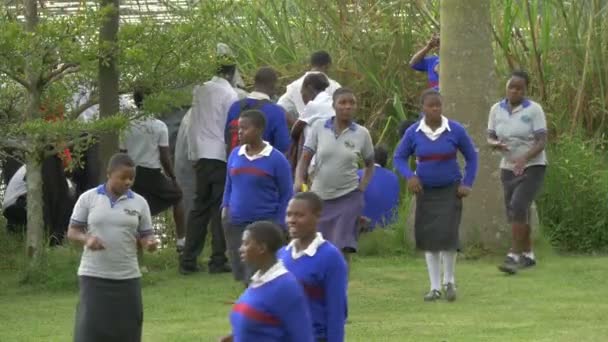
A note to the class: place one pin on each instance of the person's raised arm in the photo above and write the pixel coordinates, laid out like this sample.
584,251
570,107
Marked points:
419,56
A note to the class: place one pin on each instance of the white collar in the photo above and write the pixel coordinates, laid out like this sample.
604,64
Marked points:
311,250
273,272
425,128
256,95
265,152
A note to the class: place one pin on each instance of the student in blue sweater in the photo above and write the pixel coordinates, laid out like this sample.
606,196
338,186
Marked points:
428,64
319,267
382,193
439,187
273,308
276,131
258,187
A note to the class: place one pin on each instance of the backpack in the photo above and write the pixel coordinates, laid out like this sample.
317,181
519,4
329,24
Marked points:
232,132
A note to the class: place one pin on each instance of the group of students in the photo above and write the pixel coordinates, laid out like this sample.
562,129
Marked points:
251,181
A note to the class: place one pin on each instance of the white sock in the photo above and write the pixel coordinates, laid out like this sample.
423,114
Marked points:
529,255
513,256
181,242
448,258
432,264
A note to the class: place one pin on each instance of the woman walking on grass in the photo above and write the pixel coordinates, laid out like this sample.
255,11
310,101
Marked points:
517,127
439,187
110,221
338,144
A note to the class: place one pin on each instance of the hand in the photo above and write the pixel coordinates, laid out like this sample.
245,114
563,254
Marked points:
434,41
362,187
414,185
150,244
94,243
463,191
297,186
227,339
519,165
498,145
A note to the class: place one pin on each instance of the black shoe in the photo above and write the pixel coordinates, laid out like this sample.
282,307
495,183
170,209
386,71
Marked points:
525,262
509,266
450,292
432,296
217,269
187,270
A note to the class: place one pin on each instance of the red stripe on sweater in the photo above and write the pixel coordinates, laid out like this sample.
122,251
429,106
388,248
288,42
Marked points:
254,314
312,291
437,157
247,170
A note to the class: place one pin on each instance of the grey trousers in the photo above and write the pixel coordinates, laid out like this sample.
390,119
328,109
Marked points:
234,238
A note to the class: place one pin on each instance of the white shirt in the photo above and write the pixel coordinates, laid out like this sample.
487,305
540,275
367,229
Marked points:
265,152
256,95
259,279
142,139
434,135
311,250
210,106
292,100
16,188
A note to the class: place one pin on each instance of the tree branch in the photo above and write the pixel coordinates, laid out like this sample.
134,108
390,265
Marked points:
16,78
8,142
59,73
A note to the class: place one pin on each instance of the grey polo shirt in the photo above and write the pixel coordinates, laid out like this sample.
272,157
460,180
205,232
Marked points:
337,156
118,224
517,129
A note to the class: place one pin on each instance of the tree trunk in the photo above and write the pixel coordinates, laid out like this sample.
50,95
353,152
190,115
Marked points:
108,78
35,222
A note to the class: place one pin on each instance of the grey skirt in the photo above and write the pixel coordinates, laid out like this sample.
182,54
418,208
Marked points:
339,220
109,310
438,214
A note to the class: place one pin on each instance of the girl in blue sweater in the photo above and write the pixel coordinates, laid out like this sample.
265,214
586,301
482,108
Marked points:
258,187
439,187
319,267
273,308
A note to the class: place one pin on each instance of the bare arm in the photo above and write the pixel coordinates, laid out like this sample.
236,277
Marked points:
165,161
77,234
368,172
302,169
540,142
418,56
297,129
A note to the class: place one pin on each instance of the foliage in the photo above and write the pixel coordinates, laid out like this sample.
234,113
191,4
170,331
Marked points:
574,205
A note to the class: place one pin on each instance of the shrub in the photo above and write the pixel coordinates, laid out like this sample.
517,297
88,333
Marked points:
573,207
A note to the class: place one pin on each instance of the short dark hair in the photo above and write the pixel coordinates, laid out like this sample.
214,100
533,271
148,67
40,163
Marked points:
139,94
381,154
403,126
226,70
314,201
427,93
320,59
118,160
316,80
267,233
266,76
257,118
342,91
521,74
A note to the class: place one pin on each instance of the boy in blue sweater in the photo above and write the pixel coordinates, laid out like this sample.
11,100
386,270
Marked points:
276,131
258,186
319,267
273,308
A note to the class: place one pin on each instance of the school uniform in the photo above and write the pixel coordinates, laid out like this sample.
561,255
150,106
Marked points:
337,155
272,309
381,197
184,171
518,128
258,188
142,141
276,131
322,272
438,209
292,100
14,204
428,65
110,305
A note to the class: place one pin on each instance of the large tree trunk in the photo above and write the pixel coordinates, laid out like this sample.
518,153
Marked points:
469,87
108,78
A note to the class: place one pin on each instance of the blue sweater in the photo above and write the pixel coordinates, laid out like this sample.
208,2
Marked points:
276,132
428,64
381,197
437,165
324,279
274,312
259,189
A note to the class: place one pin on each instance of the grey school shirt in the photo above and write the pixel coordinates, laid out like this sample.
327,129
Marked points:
336,157
517,129
118,225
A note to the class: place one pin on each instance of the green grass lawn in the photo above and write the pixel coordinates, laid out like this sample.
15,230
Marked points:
563,299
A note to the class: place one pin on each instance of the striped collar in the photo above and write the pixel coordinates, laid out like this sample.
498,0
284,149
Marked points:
504,104
259,279
311,250
330,124
101,190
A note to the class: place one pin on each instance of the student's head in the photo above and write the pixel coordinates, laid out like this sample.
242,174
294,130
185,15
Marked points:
517,86
251,126
139,94
345,104
261,241
121,173
265,81
303,213
226,71
312,85
381,155
430,100
320,61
